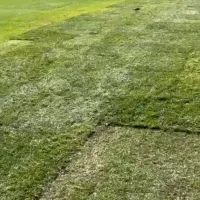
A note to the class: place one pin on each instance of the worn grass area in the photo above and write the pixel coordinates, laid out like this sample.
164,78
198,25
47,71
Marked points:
20,16
121,67
124,163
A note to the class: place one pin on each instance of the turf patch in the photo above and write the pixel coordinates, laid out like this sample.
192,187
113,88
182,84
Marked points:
123,163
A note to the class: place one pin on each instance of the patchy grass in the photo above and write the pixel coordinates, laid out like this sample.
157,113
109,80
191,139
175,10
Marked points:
29,161
120,67
124,163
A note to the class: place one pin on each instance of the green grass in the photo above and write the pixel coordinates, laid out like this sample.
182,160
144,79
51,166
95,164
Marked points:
59,82
20,16
124,163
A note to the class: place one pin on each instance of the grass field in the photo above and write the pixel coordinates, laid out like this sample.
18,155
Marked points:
99,101
20,16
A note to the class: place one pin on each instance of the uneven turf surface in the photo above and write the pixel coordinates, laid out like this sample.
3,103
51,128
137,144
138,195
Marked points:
121,67
124,163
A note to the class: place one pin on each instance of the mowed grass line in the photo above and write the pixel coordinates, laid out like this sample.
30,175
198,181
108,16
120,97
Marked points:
34,17
70,77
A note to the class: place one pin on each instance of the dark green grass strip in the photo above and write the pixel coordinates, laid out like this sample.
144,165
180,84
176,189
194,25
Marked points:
29,162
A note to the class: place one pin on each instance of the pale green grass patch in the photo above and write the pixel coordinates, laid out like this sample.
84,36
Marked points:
124,163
